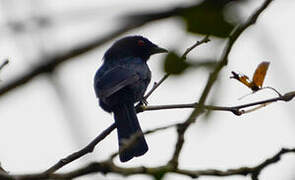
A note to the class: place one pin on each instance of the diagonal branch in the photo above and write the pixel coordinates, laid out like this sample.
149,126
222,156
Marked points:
76,155
156,85
53,62
211,80
131,22
4,64
234,109
89,148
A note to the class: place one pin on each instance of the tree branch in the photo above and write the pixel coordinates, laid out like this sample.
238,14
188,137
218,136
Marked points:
234,109
131,22
157,84
4,64
211,80
76,155
237,110
181,128
89,148
109,167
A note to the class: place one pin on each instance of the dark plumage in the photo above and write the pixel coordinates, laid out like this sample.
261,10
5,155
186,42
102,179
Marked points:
120,82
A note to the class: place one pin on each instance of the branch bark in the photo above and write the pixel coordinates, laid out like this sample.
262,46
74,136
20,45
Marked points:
4,64
211,80
237,110
172,166
106,167
182,127
89,148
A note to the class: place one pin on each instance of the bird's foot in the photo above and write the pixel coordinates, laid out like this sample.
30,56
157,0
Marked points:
143,102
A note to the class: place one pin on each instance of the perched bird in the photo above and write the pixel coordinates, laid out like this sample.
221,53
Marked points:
120,82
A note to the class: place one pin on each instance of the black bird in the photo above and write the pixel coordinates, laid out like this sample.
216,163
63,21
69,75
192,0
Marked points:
120,82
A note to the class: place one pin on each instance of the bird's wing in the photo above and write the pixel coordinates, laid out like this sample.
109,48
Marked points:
114,80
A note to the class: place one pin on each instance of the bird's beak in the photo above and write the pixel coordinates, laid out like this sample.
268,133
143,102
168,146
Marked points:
157,50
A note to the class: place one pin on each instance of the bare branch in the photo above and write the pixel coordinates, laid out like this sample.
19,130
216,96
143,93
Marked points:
182,128
211,80
109,167
89,148
253,171
198,43
172,166
4,174
157,84
131,22
237,110
4,64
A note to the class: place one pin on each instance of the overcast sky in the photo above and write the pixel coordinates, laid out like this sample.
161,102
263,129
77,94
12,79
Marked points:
53,116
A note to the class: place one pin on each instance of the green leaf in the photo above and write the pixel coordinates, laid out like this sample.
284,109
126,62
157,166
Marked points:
173,64
207,18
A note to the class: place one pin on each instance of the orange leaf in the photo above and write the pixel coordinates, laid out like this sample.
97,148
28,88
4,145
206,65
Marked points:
260,73
258,77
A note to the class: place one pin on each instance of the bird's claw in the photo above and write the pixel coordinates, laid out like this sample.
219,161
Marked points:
143,102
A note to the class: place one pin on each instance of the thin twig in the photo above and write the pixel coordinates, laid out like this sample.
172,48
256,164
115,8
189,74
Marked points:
188,50
268,87
4,64
255,108
198,43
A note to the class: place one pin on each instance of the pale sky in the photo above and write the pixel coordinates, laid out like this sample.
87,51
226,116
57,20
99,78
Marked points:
38,127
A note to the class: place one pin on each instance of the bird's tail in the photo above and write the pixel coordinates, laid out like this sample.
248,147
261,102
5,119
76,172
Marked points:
127,124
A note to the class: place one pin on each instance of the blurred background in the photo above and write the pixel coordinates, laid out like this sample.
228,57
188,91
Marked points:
57,113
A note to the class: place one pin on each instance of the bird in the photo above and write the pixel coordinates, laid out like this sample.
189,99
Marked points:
120,82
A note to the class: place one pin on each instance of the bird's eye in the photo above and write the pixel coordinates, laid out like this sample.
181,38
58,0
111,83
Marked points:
140,43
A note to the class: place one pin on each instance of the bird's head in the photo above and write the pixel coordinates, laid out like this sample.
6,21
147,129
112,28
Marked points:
133,46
